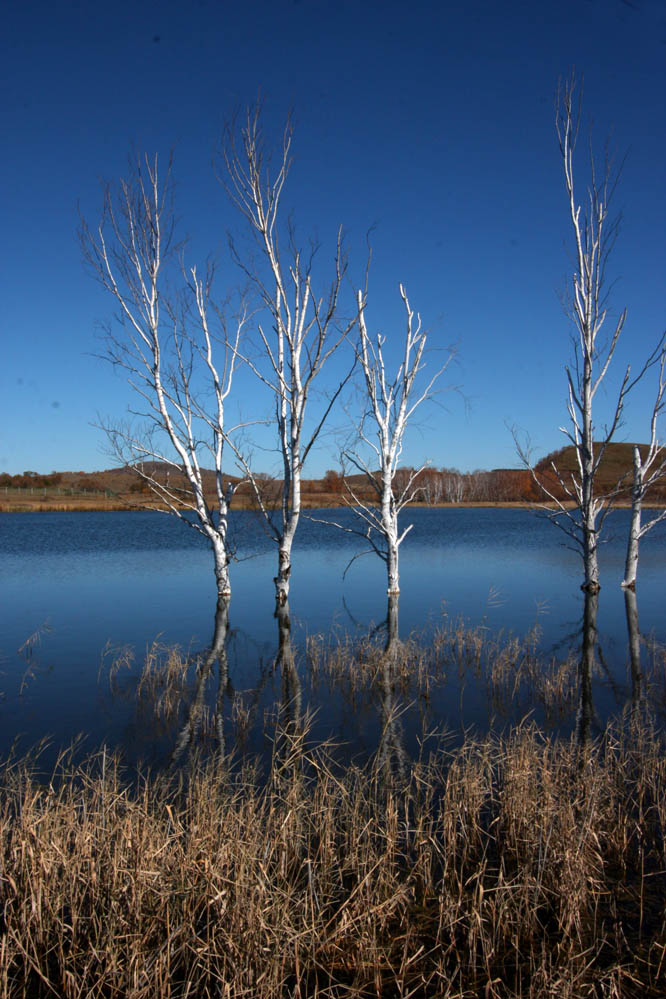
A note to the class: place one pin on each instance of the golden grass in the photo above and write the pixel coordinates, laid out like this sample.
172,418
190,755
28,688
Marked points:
515,866
513,673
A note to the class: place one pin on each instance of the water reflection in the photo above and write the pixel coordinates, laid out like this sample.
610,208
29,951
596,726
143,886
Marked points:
587,663
393,691
192,731
391,757
290,727
631,608
285,663
124,578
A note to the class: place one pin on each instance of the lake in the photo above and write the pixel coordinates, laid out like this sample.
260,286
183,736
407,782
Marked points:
81,589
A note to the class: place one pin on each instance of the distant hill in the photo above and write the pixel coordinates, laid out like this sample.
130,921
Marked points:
121,488
616,466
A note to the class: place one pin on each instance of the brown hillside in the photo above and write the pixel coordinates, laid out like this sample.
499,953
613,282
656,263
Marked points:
616,466
121,488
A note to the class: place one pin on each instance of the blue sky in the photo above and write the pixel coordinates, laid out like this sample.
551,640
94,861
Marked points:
432,123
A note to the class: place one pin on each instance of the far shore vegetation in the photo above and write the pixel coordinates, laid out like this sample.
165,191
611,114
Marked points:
122,489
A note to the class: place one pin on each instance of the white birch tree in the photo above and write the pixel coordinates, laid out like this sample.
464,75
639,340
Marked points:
303,331
176,353
390,405
582,513
647,471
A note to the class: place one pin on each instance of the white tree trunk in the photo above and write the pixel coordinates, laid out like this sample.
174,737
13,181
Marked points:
631,564
222,559
390,530
393,574
284,572
591,560
590,551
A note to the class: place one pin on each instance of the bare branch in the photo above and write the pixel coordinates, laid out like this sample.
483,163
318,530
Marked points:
305,326
167,345
390,406
595,232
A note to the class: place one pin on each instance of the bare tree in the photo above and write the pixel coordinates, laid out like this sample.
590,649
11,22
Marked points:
176,352
648,470
390,405
430,486
303,331
582,512
453,485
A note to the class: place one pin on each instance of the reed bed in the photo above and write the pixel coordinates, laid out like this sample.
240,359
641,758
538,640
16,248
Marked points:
511,866
512,670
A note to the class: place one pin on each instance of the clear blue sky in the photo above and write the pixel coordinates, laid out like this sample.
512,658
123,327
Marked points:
432,122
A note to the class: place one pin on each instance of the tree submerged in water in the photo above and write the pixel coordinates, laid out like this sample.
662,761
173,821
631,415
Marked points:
585,506
177,350
390,404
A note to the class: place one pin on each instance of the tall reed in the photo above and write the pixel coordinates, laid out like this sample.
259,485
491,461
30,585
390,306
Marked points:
511,866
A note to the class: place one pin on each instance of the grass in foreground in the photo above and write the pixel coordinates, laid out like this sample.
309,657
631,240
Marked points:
519,866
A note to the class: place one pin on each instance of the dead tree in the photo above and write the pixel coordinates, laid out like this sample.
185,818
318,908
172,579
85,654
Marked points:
176,352
389,405
582,511
303,328
648,470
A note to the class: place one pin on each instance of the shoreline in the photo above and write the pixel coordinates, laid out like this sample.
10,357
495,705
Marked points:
75,505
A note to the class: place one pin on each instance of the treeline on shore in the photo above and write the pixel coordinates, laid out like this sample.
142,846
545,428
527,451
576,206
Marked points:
434,486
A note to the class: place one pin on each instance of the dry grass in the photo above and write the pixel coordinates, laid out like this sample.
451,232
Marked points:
163,687
511,670
510,867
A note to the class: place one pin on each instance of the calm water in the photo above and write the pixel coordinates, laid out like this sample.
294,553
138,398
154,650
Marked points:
79,583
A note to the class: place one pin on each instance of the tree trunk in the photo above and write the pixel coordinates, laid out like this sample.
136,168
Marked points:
221,556
591,560
284,572
393,588
392,632
631,565
588,505
390,529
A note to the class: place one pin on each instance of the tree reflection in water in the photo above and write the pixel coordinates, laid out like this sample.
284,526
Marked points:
291,727
291,707
587,662
391,758
637,686
191,732
410,684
